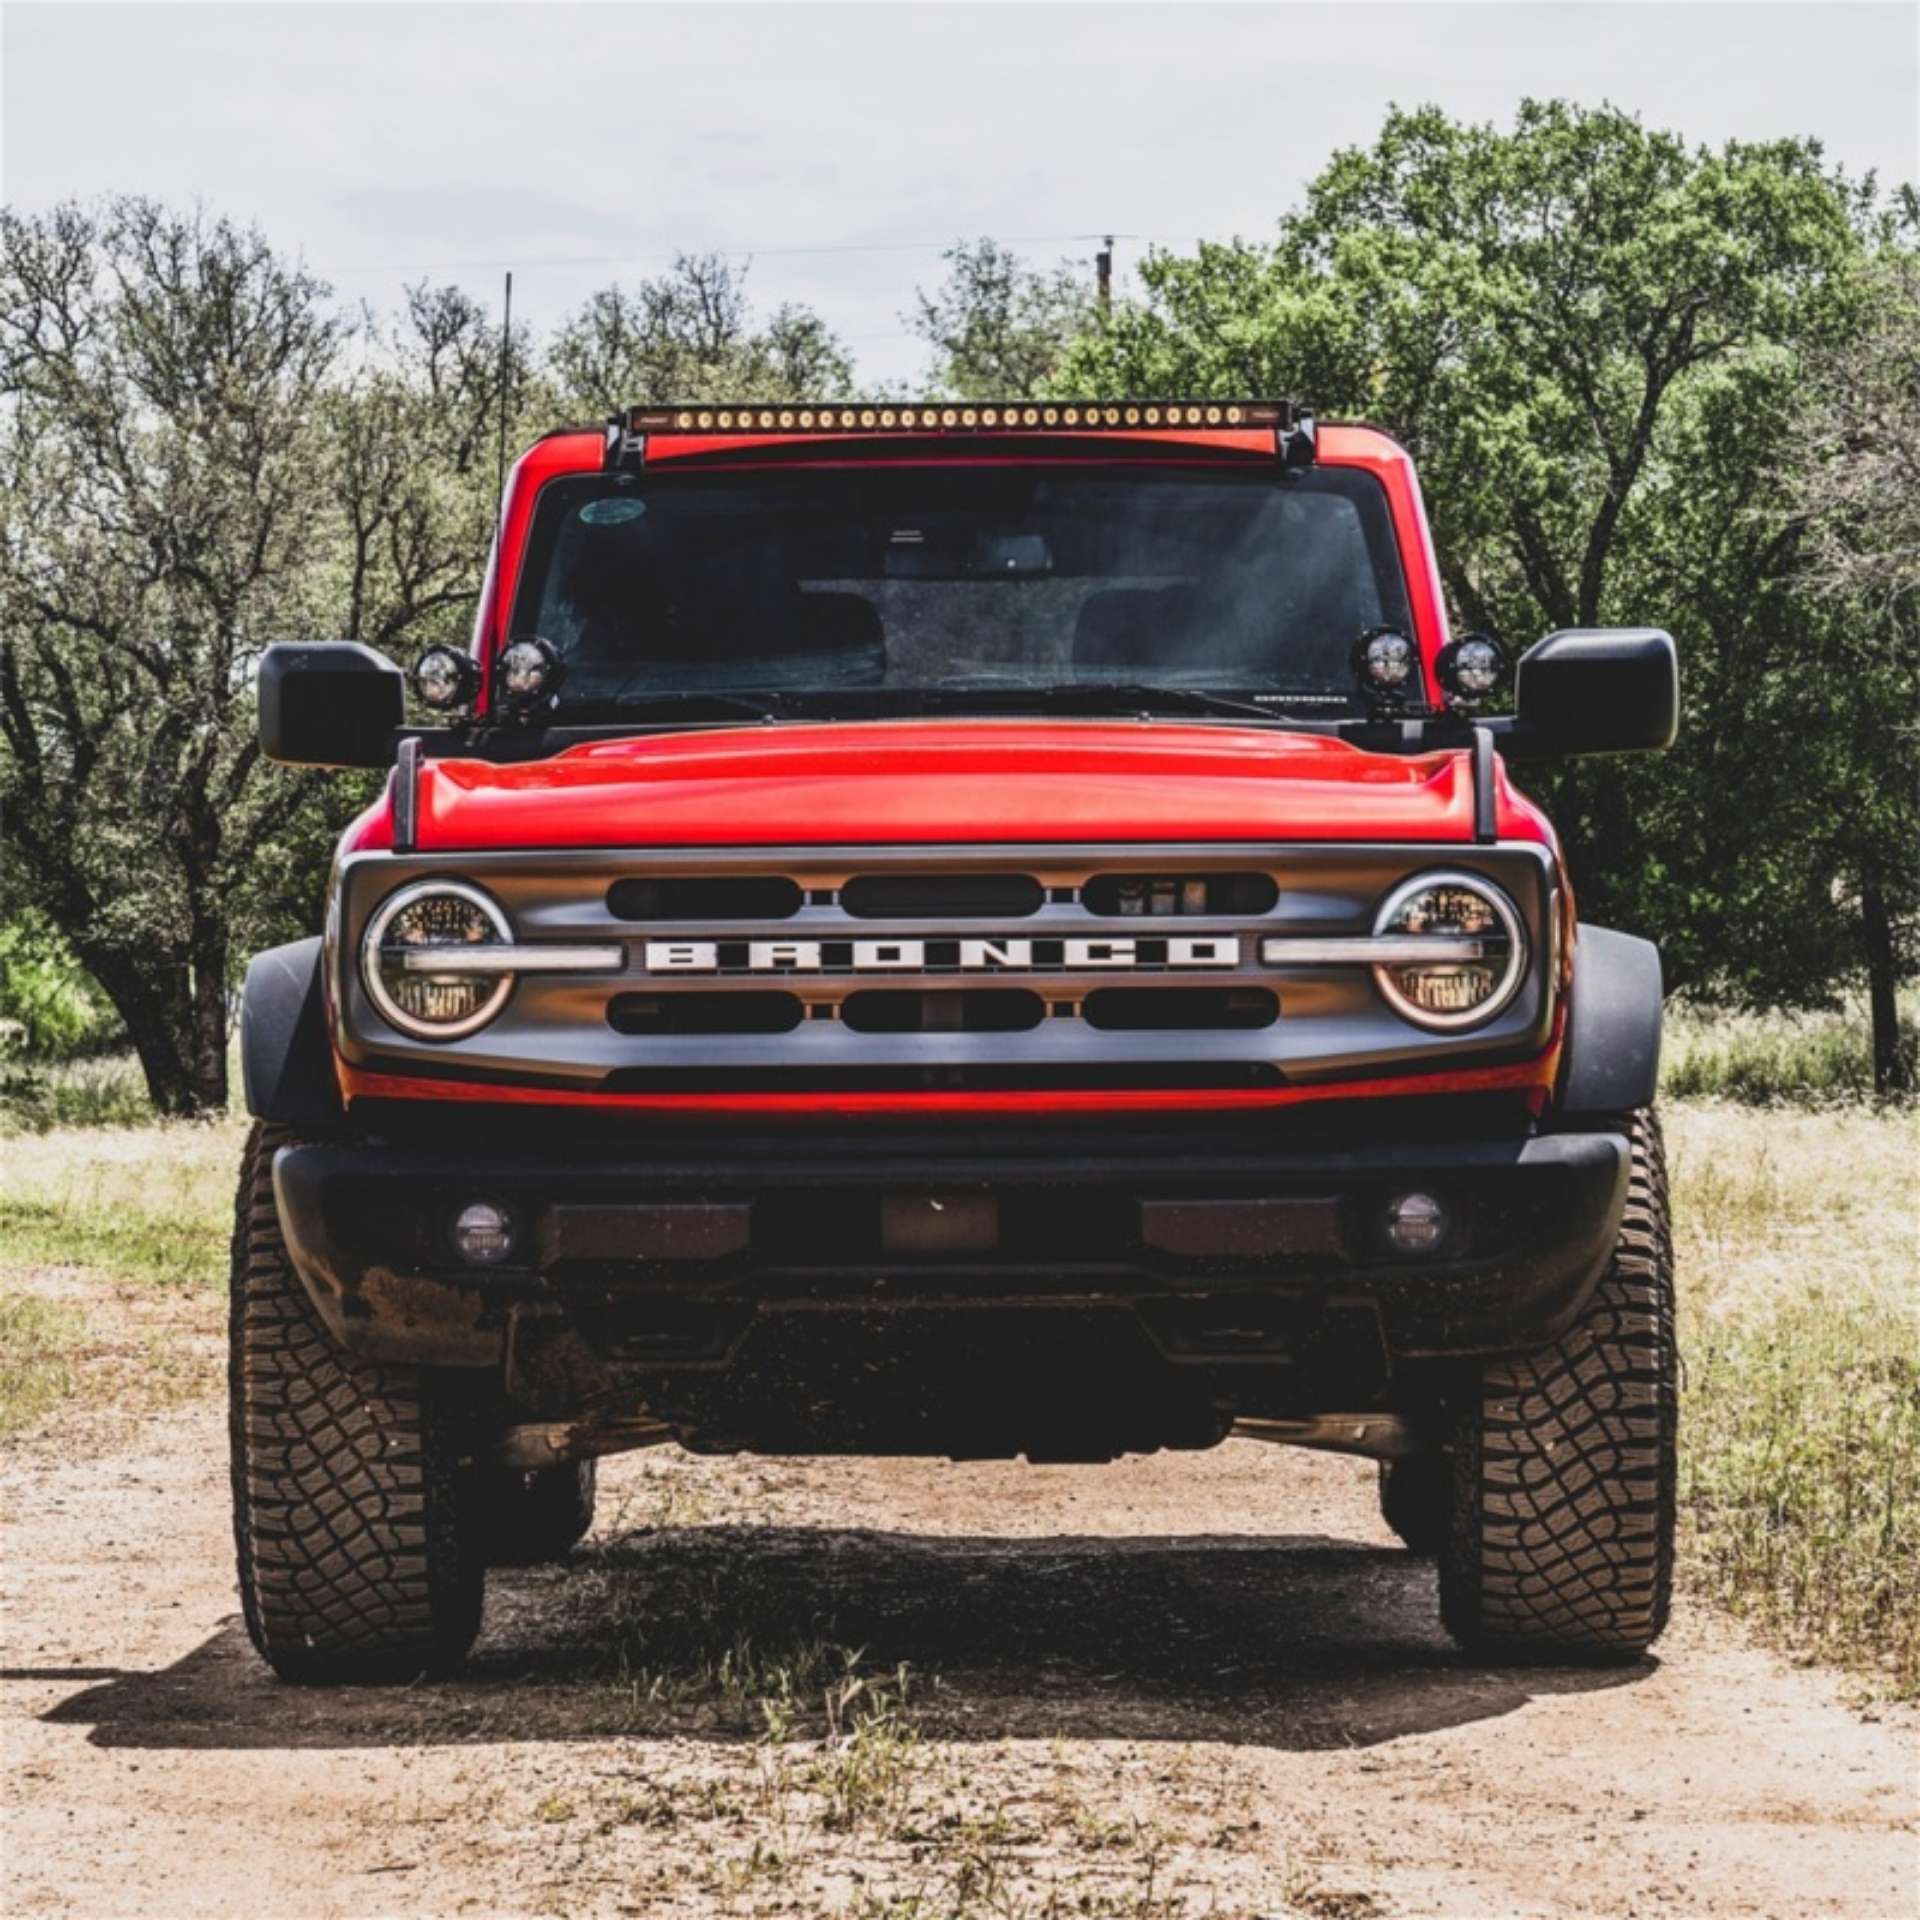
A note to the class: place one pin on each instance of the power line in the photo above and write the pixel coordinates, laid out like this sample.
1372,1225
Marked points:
727,253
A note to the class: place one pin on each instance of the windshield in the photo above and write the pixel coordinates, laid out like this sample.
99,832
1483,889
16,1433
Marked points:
890,588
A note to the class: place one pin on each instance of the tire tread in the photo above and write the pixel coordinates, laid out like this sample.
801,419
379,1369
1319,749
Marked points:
1561,1544
349,1486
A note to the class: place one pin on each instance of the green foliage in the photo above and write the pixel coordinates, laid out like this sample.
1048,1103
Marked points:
49,1009
690,334
1600,344
998,329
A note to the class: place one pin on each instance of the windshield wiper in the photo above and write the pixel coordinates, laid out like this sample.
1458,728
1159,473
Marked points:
678,702
1099,694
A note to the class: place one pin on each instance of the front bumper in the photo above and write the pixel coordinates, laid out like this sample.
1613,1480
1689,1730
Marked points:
794,1291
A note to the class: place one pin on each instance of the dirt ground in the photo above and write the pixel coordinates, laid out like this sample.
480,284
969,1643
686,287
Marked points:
1187,1684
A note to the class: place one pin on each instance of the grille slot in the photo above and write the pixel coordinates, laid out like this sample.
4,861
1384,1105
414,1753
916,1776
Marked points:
747,896
942,896
705,1013
1163,895
983,1010
1180,1009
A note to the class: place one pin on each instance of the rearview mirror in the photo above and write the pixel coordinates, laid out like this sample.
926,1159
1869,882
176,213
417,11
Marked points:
1594,690
329,703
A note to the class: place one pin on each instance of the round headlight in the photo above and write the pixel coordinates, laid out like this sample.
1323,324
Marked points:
443,678
1387,664
1460,908
1471,667
528,670
410,960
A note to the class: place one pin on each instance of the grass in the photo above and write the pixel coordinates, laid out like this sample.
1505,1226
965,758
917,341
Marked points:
151,1204
1800,1321
150,1207
107,1092
1766,1059
37,1344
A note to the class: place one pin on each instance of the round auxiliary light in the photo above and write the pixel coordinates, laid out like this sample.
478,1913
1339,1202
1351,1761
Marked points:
411,959
444,678
483,1234
1481,922
1416,1223
528,671
1387,664
1471,667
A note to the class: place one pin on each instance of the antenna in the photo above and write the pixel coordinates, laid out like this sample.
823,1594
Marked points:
506,367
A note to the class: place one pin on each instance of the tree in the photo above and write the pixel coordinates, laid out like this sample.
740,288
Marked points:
189,470
999,329
1857,489
1593,338
691,334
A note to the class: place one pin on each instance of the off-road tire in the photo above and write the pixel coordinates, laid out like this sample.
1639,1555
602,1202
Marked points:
352,1501
1416,1500
533,1518
1561,1546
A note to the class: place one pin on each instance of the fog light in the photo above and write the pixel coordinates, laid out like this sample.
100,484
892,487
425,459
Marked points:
528,672
1387,665
484,1235
1416,1222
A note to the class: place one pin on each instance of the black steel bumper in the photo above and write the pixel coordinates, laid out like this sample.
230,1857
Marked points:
735,1282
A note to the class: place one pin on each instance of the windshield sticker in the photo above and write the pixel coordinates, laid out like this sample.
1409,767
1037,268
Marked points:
612,513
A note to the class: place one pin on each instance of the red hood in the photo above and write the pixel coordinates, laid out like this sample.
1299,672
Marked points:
953,782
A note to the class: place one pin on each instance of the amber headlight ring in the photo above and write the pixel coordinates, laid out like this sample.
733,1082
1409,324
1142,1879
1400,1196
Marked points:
378,948
1497,948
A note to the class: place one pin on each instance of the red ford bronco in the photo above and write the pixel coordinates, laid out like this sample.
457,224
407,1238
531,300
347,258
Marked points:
972,931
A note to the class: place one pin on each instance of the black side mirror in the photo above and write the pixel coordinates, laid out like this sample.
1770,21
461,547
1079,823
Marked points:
331,703
1594,690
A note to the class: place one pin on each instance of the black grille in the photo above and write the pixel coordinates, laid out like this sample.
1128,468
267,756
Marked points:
942,896
984,1010
706,897
1180,1009
1157,895
705,1013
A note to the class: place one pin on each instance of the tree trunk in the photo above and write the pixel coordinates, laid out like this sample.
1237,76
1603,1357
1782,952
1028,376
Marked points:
1891,1072
210,1016
154,995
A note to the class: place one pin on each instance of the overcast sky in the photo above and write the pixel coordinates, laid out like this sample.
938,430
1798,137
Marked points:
843,146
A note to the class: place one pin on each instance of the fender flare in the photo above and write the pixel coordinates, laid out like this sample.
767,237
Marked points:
1612,1062
286,1058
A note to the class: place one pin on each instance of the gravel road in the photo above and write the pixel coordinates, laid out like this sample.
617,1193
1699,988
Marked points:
1186,1684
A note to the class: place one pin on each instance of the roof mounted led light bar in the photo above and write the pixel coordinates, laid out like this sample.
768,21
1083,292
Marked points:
1292,425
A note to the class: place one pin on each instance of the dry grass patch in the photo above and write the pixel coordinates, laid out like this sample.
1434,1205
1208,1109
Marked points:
113,1258
1799,1246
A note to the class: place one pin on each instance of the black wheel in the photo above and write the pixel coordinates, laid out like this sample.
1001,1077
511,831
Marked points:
352,1505
1416,1500
535,1517
1562,1539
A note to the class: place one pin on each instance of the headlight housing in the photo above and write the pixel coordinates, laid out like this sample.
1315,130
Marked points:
410,959
1448,994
